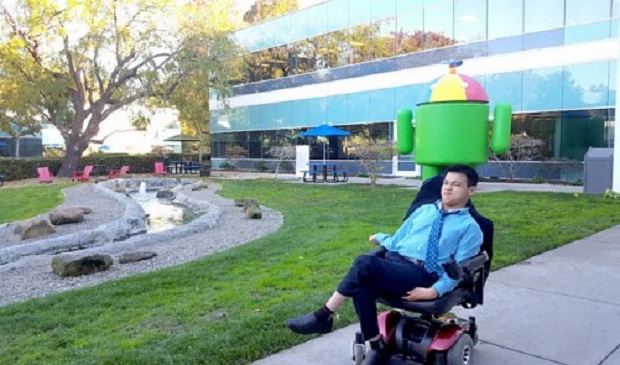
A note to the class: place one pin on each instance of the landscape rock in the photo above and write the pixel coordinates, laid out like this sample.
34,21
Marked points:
66,216
136,256
252,209
78,265
165,194
199,186
35,229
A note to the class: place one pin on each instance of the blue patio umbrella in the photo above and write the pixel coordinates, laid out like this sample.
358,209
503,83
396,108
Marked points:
104,148
325,130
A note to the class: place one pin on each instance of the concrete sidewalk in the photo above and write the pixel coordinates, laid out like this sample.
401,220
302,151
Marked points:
561,307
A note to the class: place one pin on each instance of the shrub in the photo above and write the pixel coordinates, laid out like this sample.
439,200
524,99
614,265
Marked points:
261,166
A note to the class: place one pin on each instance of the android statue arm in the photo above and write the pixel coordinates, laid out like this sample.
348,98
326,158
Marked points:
500,135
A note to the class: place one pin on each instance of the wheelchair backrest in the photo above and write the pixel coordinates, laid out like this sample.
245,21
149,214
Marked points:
430,192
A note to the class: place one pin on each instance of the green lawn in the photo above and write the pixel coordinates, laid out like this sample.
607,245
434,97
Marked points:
230,308
27,202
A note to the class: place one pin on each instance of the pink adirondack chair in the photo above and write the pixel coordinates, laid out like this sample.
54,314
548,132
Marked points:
82,175
45,175
118,173
160,169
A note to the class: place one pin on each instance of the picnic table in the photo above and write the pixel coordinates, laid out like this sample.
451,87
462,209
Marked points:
183,167
325,172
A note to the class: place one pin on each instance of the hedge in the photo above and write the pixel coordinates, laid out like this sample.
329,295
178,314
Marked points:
26,168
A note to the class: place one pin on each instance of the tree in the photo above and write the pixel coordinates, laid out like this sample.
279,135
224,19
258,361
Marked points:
372,156
281,153
81,61
204,65
522,148
262,10
17,117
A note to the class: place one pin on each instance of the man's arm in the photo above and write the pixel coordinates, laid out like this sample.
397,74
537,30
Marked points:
468,247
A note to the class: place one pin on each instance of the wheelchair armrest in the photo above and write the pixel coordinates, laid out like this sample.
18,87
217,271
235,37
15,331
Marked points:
466,268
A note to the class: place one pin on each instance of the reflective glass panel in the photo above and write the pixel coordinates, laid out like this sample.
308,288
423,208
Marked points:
586,85
358,107
337,109
382,105
543,15
505,18
316,20
579,11
382,9
439,24
337,15
542,89
470,20
359,12
410,26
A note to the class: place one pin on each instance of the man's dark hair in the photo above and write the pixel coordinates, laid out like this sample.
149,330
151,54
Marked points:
472,175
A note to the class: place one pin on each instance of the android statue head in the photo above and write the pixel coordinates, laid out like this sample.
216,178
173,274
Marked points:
452,125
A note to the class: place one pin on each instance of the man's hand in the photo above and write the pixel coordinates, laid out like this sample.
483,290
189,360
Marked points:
421,294
373,239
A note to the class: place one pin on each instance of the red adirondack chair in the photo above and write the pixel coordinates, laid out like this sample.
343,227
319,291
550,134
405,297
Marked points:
82,175
45,175
118,173
160,169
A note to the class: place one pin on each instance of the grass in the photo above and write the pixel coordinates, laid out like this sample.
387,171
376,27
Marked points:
26,202
230,307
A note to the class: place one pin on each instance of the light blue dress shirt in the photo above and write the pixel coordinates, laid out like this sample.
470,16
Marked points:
460,239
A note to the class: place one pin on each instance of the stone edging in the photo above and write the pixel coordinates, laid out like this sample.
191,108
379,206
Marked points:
127,229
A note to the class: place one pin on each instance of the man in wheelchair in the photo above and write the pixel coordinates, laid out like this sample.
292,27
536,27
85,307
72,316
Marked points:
416,265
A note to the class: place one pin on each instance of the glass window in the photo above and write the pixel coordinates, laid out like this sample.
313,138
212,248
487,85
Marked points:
611,99
580,130
543,15
505,88
383,9
358,107
505,18
317,112
470,20
579,11
542,89
439,24
359,13
336,15
586,85
615,8
316,20
337,109
409,26
382,105
283,115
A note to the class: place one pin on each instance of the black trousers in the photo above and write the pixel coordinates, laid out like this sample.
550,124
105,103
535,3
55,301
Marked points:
371,277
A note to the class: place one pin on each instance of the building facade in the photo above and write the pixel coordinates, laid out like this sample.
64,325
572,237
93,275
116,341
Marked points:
353,63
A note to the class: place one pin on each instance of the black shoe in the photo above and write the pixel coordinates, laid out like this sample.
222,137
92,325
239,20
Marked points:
379,355
310,324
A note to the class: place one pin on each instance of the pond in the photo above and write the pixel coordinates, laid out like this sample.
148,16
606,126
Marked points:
162,214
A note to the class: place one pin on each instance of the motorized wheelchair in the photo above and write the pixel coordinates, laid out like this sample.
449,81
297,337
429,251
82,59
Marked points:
426,337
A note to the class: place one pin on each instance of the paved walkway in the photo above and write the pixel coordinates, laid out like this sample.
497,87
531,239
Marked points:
561,307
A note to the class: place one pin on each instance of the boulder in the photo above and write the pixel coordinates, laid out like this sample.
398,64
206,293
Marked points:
136,256
119,186
165,194
199,186
78,265
35,229
83,208
252,209
66,216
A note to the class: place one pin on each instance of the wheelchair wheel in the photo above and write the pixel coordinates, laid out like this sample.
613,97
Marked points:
462,351
358,353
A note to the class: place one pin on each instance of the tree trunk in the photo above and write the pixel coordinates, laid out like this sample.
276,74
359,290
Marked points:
71,162
17,139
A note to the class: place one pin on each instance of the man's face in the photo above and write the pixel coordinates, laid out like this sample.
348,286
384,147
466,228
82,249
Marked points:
455,193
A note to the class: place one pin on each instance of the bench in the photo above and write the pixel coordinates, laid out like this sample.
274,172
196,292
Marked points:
343,176
314,174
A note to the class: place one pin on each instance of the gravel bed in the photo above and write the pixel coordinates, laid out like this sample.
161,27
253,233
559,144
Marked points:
33,277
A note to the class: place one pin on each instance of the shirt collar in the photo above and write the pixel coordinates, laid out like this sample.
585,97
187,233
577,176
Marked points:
451,211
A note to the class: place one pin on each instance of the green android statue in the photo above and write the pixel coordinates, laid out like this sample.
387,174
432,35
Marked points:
453,126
